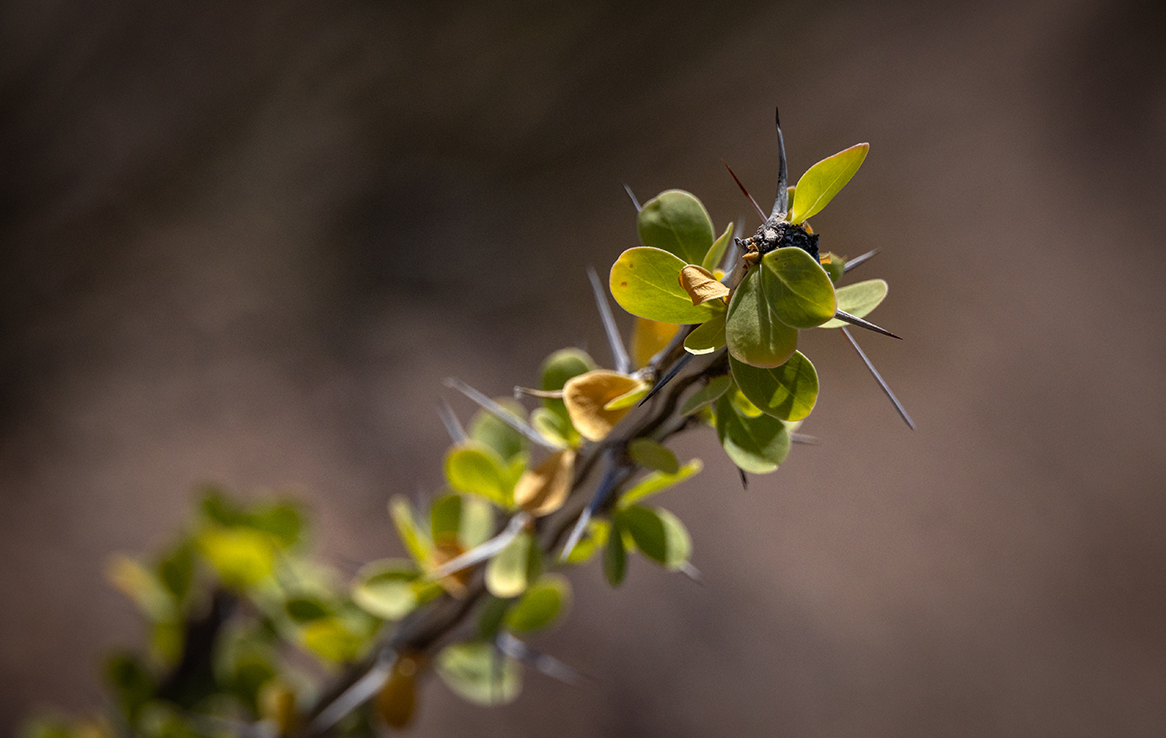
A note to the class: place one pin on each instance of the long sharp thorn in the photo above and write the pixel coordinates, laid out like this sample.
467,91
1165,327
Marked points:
879,378
622,363
548,665
456,432
356,695
612,477
734,176
676,368
500,412
482,551
781,205
858,260
633,196
855,320
802,438
744,479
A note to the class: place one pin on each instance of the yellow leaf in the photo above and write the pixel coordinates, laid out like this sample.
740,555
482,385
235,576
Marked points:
587,394
649,337
543,490
700,284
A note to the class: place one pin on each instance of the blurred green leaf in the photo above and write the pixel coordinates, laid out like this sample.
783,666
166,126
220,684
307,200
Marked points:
132,683
176,570
858,299
712,258
787,392
797,288
306,609
716,387
644,281
477,673
658,482
677,222
650,454
486,428
477,522
491,615
706,338
146,590
753,332
445,517
386,588
555,371
506,574
756,445
284,521
822,181
331,639
477,469
242,556
540,605
419,546
658,534
615,556
594,540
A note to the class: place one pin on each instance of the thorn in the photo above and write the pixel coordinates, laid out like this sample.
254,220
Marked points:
611,479
781,205
632,195
744,479
454,428
482,551
360,692
676,368
858,260
690,571
622,363
734,176
548,665
500,412
803,439
855,320
879,378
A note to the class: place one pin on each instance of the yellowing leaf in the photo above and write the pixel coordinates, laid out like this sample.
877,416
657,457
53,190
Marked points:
649,337
544,489
587,395
397,700
700,284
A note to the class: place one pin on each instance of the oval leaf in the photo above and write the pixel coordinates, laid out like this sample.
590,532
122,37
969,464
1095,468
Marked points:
700,284
544,489
479,674
797,288
707,337
753,333
488,429
385,589
858,299
586,397
650,454
756,445
506,574
787,392
716,387
822,181
677,222
716,252
477,469
419,546
540,606
644,282
663,541
658,482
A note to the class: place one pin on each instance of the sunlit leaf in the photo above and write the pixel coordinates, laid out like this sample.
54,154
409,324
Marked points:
477,673
797,289
241,556
658,482
712,258
700,284
477,521
707,337
629,399
419,546
506,574
587,395
753,332
822,181
756,445
658,534
716,387
556,428
677,222
445,517
487,428
540,605
644,281
386,588
653,455
787,392
544,489
331,639
858,299
477,469
650,337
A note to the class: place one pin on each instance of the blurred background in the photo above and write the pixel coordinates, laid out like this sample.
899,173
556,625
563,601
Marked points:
244,242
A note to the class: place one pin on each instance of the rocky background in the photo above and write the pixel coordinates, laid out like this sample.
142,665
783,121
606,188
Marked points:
244,242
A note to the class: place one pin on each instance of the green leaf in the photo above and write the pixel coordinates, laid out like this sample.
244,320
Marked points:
331,639
555,371
176,570
479,674
282,520
386,588
677,222
708,337
797,288
486,428
658,482
140,584
822,181
507,572
858,299
756,445
477,469
658,534
419,546
595,539
742,404
540,605
629,398
716,387
445,518
242,556
306,609
712,258
753,333
557,429
650,454
645,282
477,522
615,556
787,392
491,615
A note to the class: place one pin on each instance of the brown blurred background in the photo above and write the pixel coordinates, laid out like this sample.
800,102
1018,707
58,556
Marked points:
243,242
